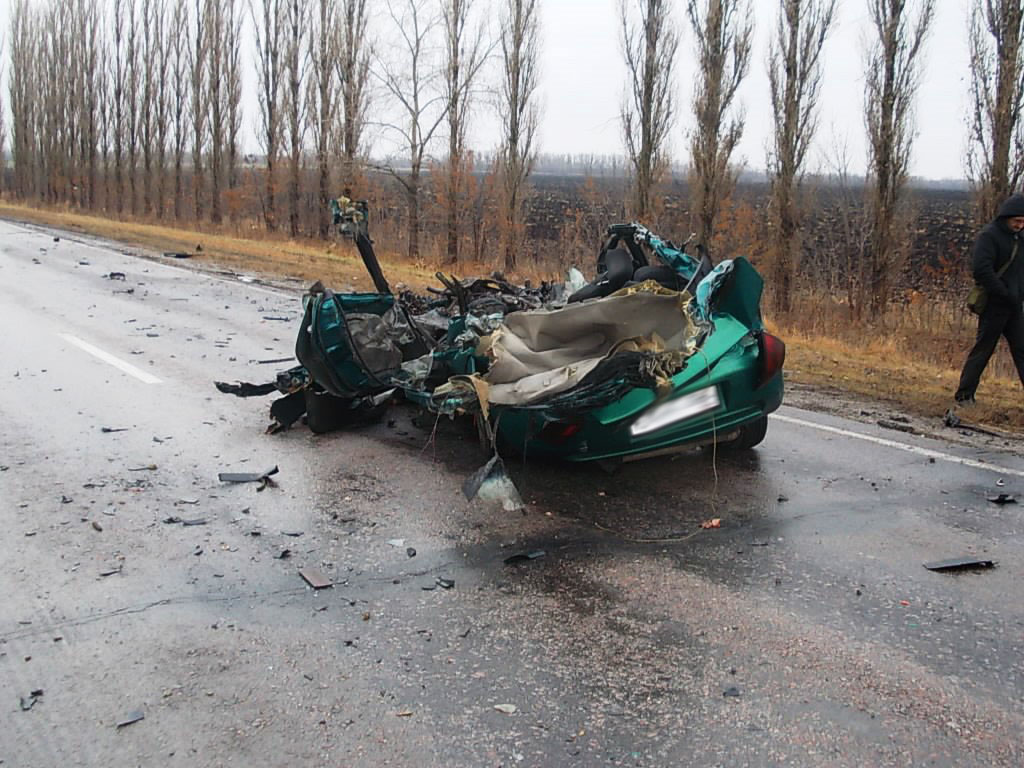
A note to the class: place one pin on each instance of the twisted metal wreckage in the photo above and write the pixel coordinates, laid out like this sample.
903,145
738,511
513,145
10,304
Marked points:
619,369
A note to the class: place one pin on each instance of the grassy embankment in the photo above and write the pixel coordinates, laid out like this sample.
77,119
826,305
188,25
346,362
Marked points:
900,366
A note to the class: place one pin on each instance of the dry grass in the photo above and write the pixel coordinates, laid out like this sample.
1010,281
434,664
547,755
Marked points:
911,359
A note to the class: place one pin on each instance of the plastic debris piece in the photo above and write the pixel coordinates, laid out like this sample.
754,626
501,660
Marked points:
96,526
284,554
108,430
111,571
492,483
177,255
410,551
132,717
116,276
145,468
293,534
731,692
396,542
404,713
507,709
316,579
445,583
715,522
959,563
245,389
525,557
172,520
194,521
27,702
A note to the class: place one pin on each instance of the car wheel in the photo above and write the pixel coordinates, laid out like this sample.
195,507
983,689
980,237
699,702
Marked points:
751,434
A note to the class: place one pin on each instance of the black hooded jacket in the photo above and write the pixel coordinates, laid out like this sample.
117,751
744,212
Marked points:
992,250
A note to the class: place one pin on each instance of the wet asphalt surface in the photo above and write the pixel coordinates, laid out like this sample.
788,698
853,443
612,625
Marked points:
803,631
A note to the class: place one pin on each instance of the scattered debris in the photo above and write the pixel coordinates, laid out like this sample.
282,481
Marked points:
952,420
293,534
275,361
315,578
284,554
263,478
132,717
116,276
66,499
445,583
146,468
404,713
177,255
172,520
274,317
959,563
194,521
187,501
1003,498
96,526
715,522
397,543
731,692
410,551
245,389
111,571
898,427
507,709
27,702
525,557
108,430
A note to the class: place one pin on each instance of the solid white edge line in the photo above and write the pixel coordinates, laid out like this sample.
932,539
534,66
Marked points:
131,370
926,452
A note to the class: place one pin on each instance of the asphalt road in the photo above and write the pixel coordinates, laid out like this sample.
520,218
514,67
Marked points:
804,631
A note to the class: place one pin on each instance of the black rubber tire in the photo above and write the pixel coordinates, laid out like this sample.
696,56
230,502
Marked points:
751,434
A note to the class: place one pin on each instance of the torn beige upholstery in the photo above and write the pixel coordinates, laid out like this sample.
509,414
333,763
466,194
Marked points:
542,352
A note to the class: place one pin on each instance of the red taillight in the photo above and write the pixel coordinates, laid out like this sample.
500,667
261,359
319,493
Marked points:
558,432
771,359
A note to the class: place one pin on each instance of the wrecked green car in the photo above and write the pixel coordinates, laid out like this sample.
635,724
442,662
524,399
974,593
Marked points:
660,352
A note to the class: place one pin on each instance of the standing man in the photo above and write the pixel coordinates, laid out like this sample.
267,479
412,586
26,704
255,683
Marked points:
999,268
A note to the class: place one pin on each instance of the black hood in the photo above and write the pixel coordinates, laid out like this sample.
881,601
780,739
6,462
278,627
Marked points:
1012,206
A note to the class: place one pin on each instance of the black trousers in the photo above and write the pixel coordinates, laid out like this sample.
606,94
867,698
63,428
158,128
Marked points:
999,319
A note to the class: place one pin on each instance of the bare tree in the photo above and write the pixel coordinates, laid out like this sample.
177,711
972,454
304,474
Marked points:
152,54
323,57
465,54
353,74
91,79
891,81
412,77
23,93
649,48
233,89
133,100
794,75
723,30
118,76
216,82
995,156
519,116
198,45
3,124
180,79
269,28
294,106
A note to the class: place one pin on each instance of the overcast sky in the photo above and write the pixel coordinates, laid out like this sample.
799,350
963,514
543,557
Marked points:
582,81
583,78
